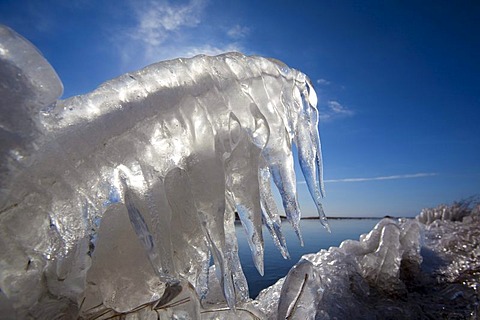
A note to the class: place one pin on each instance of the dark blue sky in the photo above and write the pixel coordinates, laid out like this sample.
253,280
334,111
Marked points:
398,81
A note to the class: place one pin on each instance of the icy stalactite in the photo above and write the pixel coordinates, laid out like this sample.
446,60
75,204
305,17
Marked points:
172,151
271,218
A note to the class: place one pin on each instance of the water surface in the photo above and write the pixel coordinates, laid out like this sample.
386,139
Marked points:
315,238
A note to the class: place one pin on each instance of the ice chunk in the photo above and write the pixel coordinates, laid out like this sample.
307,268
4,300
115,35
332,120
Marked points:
28,85
301,292
401,269
118,252
173,151
337,282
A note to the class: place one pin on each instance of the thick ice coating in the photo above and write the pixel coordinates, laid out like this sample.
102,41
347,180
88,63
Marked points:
168,153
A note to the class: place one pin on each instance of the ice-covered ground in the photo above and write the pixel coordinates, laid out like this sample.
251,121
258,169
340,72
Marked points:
112,204
423,268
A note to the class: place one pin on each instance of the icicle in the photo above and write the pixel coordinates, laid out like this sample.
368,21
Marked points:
239,280
309,154
314,133
277,151
243,184
284,178
271,218
129,182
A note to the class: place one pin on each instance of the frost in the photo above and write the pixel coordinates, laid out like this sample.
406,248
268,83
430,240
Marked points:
116,201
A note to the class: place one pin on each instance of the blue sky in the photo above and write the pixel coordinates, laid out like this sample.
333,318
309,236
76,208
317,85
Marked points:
398,81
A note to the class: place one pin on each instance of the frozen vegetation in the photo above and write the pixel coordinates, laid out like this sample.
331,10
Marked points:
114,203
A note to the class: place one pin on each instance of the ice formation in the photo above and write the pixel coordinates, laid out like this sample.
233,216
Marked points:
402,269
454,212
114,202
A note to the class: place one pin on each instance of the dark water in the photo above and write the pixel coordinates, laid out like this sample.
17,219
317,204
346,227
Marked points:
315,238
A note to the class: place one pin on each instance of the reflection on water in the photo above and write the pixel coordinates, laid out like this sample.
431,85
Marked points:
315,238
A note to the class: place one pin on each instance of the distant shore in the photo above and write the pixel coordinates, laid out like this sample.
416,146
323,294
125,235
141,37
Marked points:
345,218
334,218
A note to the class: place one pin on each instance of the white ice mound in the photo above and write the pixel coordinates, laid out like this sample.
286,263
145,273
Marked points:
402,269
336,283
120,197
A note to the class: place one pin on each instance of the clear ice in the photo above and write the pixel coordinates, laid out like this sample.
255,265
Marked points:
113,204
121,197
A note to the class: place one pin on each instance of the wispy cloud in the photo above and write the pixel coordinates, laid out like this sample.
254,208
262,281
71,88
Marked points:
238,32
337,108
323,82
166,29
157,22
334,110
158,19
394,177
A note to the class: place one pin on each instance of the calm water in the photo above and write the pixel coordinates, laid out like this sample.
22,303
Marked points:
315,238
